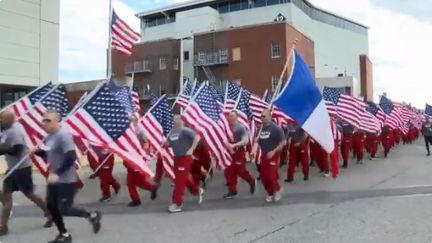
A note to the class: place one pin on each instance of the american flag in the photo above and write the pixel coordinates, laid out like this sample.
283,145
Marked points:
347,107
217,92
183,98
122,36
232,92
153,97
428,110
136,98
103,121
203,114
243,109
56,100
392,118
25,103
157,123
257,105
267,96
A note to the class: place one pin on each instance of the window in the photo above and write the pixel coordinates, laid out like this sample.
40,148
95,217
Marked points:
275,50
272,2
244,4
176,64
146,64
223,7
186,55
235,6
259,3
237,81
274,82
236,54
162,63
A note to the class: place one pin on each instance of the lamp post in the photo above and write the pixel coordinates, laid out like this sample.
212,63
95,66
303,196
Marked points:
181,60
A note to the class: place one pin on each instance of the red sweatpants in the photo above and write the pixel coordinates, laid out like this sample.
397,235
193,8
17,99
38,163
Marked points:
159,170
237,169
269,173
135,179
107,181
323,160
182,168
372,145
359,146
298,155
346,147
387,144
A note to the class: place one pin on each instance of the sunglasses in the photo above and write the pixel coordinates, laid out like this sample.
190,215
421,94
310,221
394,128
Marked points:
46,120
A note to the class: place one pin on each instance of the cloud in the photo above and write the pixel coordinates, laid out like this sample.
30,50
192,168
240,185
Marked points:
84,37
399,45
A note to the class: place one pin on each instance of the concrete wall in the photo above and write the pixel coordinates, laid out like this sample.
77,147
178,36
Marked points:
29,33
341,82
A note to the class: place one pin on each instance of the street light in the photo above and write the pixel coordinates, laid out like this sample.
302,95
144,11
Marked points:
181,60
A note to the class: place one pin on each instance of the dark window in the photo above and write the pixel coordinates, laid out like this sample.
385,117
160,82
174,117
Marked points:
235,6
259,3
223,7
244,4
186,56
272,2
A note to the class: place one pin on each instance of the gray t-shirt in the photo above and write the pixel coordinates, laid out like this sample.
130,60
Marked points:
12,136
239,132
56,146
270,137
181,140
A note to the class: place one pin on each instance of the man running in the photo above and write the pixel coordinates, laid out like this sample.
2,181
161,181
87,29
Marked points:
60,152
13,145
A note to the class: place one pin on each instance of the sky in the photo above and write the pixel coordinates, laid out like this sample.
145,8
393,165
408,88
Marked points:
400,40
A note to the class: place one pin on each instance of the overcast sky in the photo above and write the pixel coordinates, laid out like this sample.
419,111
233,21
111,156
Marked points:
400,40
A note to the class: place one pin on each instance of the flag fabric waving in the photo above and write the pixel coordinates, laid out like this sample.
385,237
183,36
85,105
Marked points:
392,118
185,95
301,100
347,107
103,121
203,114
122,35
157,123
428,110
25,103
232,92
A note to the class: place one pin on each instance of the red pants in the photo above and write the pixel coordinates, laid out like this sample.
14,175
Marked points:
198,165
346,147
372,145
135,179
237,169
323,160
159,170
387,144
182,168
107,180
284,155
359,146
269,173
314,151
298,155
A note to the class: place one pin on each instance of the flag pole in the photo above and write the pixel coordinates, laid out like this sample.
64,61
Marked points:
109,54
285,69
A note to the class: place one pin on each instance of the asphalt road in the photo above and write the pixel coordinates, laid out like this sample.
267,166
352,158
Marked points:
384,200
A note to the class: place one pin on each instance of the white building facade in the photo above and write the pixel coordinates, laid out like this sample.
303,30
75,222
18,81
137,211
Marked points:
29,45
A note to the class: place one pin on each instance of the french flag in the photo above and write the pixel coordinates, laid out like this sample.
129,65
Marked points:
301,100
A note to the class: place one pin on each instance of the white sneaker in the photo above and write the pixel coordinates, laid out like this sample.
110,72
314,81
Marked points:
269,199
326,175
174,208
278,196
200,195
